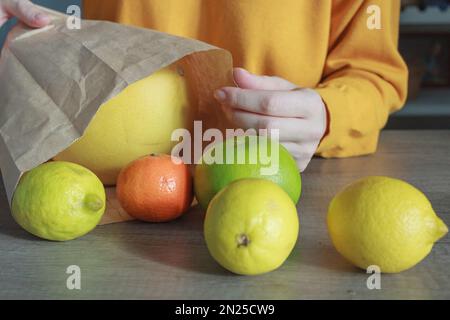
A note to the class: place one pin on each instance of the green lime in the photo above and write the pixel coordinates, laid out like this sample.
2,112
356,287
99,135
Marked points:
245,157
58,201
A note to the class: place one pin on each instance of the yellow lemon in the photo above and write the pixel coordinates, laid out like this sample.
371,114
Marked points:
384,222
137,122
58,201
251,226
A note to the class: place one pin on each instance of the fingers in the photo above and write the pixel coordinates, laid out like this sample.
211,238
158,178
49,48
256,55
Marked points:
290,129
272,103
247,80
301,137
247,120
27,12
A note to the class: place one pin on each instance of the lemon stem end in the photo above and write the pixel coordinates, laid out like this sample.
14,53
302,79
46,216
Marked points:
94,202
242,240
441,229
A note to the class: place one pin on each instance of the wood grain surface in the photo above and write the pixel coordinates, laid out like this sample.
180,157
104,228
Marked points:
170,261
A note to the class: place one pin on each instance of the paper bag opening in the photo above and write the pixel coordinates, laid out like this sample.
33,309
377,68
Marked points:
54,81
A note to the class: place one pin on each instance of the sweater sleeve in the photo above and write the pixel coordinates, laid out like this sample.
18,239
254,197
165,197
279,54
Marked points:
364,79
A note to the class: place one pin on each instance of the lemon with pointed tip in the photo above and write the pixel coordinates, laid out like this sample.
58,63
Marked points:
384,222
251,226
58,201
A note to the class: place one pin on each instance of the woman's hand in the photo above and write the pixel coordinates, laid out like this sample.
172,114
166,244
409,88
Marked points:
25,11
263,102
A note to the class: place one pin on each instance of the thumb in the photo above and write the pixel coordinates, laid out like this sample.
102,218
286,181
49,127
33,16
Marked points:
247,80
27,13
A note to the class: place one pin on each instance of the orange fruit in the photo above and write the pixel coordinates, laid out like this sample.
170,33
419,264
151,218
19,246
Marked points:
155,188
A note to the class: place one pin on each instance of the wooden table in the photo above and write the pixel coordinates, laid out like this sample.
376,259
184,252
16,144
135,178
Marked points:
165,261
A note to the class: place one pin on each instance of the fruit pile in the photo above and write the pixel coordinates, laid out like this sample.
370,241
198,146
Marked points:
251,223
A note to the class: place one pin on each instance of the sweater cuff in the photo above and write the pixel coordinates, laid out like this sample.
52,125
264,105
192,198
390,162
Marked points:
339,139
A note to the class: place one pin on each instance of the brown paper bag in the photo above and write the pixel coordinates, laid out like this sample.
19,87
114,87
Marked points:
53,80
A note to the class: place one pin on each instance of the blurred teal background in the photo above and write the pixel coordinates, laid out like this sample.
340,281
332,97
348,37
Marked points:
60,5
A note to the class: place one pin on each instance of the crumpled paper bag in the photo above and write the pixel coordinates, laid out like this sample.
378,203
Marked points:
53,80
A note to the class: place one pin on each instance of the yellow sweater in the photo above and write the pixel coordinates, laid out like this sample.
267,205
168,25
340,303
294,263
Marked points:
321,44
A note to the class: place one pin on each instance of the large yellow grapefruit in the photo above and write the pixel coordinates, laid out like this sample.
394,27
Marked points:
137,122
